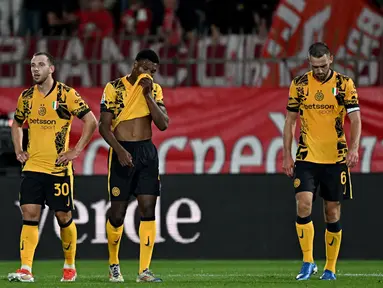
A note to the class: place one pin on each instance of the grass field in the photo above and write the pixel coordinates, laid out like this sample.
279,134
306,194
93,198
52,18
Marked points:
202,274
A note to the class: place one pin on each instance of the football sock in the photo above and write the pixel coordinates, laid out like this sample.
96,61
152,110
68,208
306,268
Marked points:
305,232
114,240
147,234
333,239
28,243
69,243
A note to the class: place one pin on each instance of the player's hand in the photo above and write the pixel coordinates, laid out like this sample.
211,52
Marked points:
22,156
288,165
352,158
67,156
125,158
147,85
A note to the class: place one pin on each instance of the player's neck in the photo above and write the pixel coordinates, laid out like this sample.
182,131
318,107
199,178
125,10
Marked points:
131,78
46,86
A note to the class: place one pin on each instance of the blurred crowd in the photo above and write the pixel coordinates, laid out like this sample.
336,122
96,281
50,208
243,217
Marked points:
173,20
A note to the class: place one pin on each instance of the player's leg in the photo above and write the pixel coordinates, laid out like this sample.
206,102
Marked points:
335,185
68,233
28,242
148,190
333,238
304,224
305,185
121,181
147,234
31,201
59,195
114,230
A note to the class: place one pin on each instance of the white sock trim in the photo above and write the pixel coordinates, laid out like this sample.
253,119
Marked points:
26,267
67,266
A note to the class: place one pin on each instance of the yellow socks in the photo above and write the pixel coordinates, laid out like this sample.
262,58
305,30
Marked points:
147,234
69,243
28,243
114,240
333,239
305,232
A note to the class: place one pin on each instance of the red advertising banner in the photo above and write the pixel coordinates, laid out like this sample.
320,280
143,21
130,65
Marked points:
232,130
351,28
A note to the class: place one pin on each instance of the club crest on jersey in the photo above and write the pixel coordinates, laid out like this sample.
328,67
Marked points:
319,96
335,91
42,111
55,105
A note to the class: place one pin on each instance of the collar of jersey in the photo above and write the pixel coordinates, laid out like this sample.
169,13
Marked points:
50,91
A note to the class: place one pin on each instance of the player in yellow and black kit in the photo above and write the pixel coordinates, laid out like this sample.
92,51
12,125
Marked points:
128,107
47,174
322,98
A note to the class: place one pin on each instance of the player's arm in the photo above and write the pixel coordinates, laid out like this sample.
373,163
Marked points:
289,130
156,106
90,125
105,126
353,112
80,109
288,136
17,132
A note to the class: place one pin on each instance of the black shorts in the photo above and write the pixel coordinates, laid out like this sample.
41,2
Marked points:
333,180
42,188
142,179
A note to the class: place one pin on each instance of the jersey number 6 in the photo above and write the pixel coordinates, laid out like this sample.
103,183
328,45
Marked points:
343,178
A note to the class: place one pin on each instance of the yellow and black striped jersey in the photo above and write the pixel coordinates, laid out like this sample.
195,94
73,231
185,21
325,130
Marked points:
126,101
322,107
49,119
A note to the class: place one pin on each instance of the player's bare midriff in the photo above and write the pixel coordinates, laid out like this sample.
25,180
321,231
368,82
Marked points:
137,129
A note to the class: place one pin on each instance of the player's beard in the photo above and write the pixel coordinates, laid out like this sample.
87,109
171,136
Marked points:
41,79
321,77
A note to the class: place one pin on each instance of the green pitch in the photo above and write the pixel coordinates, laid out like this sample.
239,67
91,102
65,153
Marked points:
202,274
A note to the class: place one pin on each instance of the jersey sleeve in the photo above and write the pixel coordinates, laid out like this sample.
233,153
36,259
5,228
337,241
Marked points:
108,100
293,103
158,95
76,105
351,101
20,116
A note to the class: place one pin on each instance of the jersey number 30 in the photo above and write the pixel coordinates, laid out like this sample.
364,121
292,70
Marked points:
62,189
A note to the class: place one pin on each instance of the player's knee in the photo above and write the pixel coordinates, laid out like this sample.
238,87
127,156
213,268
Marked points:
332,215
116,219
147,210
304,203
148,214
63,217
117,212
31,216
31,213
147,206
332,212
304,208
